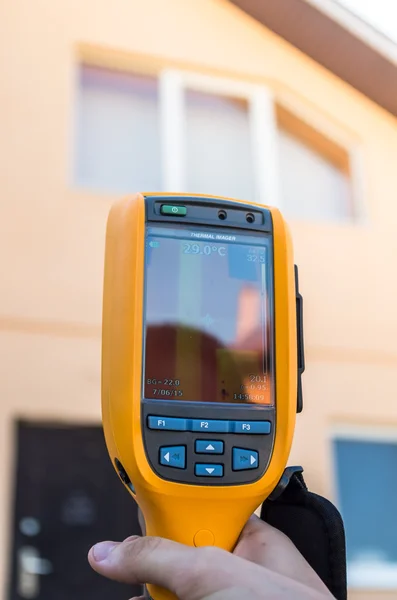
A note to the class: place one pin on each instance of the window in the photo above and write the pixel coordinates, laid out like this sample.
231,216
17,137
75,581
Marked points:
118,140
218,145
183,131
366,469
315,179
219,137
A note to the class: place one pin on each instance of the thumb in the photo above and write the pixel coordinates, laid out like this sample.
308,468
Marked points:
264,545
189,573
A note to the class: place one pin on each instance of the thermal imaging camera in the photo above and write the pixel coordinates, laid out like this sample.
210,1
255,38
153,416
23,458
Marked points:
201,362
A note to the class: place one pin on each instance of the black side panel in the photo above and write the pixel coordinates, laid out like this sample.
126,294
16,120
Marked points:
301,350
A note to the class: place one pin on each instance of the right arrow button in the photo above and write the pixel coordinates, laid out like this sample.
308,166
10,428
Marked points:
244,459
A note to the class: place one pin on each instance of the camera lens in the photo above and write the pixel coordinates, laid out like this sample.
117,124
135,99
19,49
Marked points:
222,214
250,218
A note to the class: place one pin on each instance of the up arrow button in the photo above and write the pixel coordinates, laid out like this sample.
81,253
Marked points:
209,446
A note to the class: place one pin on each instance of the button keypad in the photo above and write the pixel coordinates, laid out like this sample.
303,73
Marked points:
188,446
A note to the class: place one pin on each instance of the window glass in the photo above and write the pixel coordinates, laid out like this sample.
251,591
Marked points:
367,491
118,139
218,146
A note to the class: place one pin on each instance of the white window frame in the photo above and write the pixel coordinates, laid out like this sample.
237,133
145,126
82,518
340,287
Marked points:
173,84
340,136
263,126
362,433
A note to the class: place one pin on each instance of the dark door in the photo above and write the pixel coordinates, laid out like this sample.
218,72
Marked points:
67,498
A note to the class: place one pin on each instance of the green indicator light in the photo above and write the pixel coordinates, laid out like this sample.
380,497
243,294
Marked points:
173,211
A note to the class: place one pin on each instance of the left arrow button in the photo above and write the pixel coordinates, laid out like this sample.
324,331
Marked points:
173,456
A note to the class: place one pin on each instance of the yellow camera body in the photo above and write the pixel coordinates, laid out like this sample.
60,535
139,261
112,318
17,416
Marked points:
201,360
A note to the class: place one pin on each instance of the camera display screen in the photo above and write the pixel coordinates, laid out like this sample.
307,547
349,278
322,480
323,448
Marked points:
208,315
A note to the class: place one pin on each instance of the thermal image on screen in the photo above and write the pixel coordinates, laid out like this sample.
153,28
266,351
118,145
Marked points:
208,316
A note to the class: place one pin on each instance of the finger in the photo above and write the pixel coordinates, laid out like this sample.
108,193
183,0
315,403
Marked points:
193,573
267,546
185,571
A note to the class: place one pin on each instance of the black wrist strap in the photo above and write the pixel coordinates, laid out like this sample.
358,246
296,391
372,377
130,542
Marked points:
313,524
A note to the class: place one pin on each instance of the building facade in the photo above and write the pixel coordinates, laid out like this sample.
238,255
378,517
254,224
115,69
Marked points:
101,99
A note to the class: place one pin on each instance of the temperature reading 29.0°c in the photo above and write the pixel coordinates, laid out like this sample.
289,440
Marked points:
205,249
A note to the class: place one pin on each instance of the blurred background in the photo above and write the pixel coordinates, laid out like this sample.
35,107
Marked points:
287,102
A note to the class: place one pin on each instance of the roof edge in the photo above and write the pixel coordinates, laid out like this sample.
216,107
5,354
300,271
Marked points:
337,39
358,27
